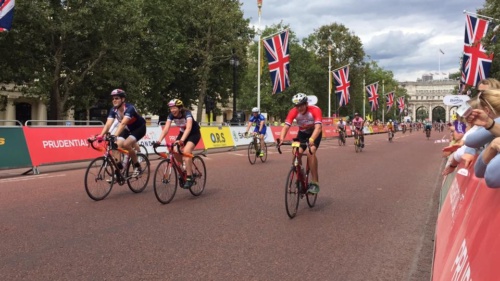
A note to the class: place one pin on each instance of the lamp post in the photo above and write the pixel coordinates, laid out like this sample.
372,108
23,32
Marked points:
234,61
329,79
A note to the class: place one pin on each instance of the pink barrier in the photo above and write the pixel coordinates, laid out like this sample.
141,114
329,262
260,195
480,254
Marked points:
467,244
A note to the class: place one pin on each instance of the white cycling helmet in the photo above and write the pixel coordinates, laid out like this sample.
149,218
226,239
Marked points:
390,120
299,99
255,110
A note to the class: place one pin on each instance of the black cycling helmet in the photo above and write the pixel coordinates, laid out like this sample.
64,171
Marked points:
118,92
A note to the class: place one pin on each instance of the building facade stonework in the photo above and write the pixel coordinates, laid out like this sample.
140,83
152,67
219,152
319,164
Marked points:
427,95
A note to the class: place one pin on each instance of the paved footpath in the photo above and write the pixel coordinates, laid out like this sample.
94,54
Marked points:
374,220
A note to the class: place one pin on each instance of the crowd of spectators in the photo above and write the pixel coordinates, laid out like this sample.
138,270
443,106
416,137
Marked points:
476,137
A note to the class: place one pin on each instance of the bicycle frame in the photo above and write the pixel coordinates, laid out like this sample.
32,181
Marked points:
108,155
297,164
177,165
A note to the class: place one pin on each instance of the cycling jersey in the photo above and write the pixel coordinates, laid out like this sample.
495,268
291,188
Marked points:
181,121
306,121
341,125
257,119
389,125
136,121
358,123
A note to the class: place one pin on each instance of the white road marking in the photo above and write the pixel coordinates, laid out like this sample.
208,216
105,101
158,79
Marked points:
27,178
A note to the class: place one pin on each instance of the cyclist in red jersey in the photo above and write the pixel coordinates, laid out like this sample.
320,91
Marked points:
309,119
358,124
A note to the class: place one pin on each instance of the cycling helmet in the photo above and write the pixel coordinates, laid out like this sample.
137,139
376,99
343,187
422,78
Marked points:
356,114
175,102
255,110
118,92
299,99
390,120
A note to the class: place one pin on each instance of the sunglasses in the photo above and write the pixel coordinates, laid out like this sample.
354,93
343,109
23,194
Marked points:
486,101
116,98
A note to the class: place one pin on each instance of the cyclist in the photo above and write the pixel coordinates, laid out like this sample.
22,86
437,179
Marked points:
131,127
188,138
390,127
341,126
428,127
358,124
260,127
309,119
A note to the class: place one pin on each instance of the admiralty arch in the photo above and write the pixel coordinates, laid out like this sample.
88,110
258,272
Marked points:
426,99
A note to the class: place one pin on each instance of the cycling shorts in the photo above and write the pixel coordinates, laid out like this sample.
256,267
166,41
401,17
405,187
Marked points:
263,132
138,133
193,137
304,137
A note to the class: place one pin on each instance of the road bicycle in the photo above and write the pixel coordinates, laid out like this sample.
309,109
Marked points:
391,135
254,150
104,171
170,174
143,150
358,146
341,139
297,181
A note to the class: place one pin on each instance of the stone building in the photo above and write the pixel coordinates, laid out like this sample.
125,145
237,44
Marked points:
426,98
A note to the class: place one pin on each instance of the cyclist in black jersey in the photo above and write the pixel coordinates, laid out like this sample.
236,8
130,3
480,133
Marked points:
131,128
189,134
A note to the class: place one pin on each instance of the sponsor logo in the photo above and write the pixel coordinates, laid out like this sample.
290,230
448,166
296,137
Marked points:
2,141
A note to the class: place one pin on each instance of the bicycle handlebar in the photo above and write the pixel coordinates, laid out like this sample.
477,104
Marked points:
278,145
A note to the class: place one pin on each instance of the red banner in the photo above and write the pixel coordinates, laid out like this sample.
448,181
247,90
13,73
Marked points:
467,244
292,132
49,145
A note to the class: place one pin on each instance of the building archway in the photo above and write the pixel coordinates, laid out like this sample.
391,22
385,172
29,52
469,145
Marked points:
439,114
23,112
422,113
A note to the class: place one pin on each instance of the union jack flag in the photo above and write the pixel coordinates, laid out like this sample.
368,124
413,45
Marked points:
278,56
401,104
476,62
371,91
6,14
342,85
389,100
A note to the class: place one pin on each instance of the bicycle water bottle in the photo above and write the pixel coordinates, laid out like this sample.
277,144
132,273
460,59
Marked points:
296,162
125,160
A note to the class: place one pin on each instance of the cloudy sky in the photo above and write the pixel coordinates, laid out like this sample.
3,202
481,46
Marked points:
403,36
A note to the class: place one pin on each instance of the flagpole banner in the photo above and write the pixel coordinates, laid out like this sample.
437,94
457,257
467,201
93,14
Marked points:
6,14
389,101
371,92
401,104
342,85
476,63
278,57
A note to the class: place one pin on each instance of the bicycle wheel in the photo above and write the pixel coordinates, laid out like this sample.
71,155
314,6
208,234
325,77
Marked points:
139,183
165,181
98,173
340,141
311,198
252,153
292,193
200,176
144,150
264,158
356,144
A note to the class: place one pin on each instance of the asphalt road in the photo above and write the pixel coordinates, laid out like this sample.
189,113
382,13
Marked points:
374,220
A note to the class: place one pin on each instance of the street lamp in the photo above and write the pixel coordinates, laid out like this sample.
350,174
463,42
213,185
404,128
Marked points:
234,61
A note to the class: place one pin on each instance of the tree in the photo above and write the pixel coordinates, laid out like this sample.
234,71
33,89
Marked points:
56,45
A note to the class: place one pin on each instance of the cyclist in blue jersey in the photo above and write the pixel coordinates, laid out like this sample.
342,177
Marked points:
131,128
260,127
188,138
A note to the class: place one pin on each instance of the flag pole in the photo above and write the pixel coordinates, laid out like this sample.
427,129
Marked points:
329,80
259,32
364,97
383,108
478,15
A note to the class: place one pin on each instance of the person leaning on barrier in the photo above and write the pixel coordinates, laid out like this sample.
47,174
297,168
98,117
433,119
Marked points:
309,119
132,126
488,164
188,138
260,127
